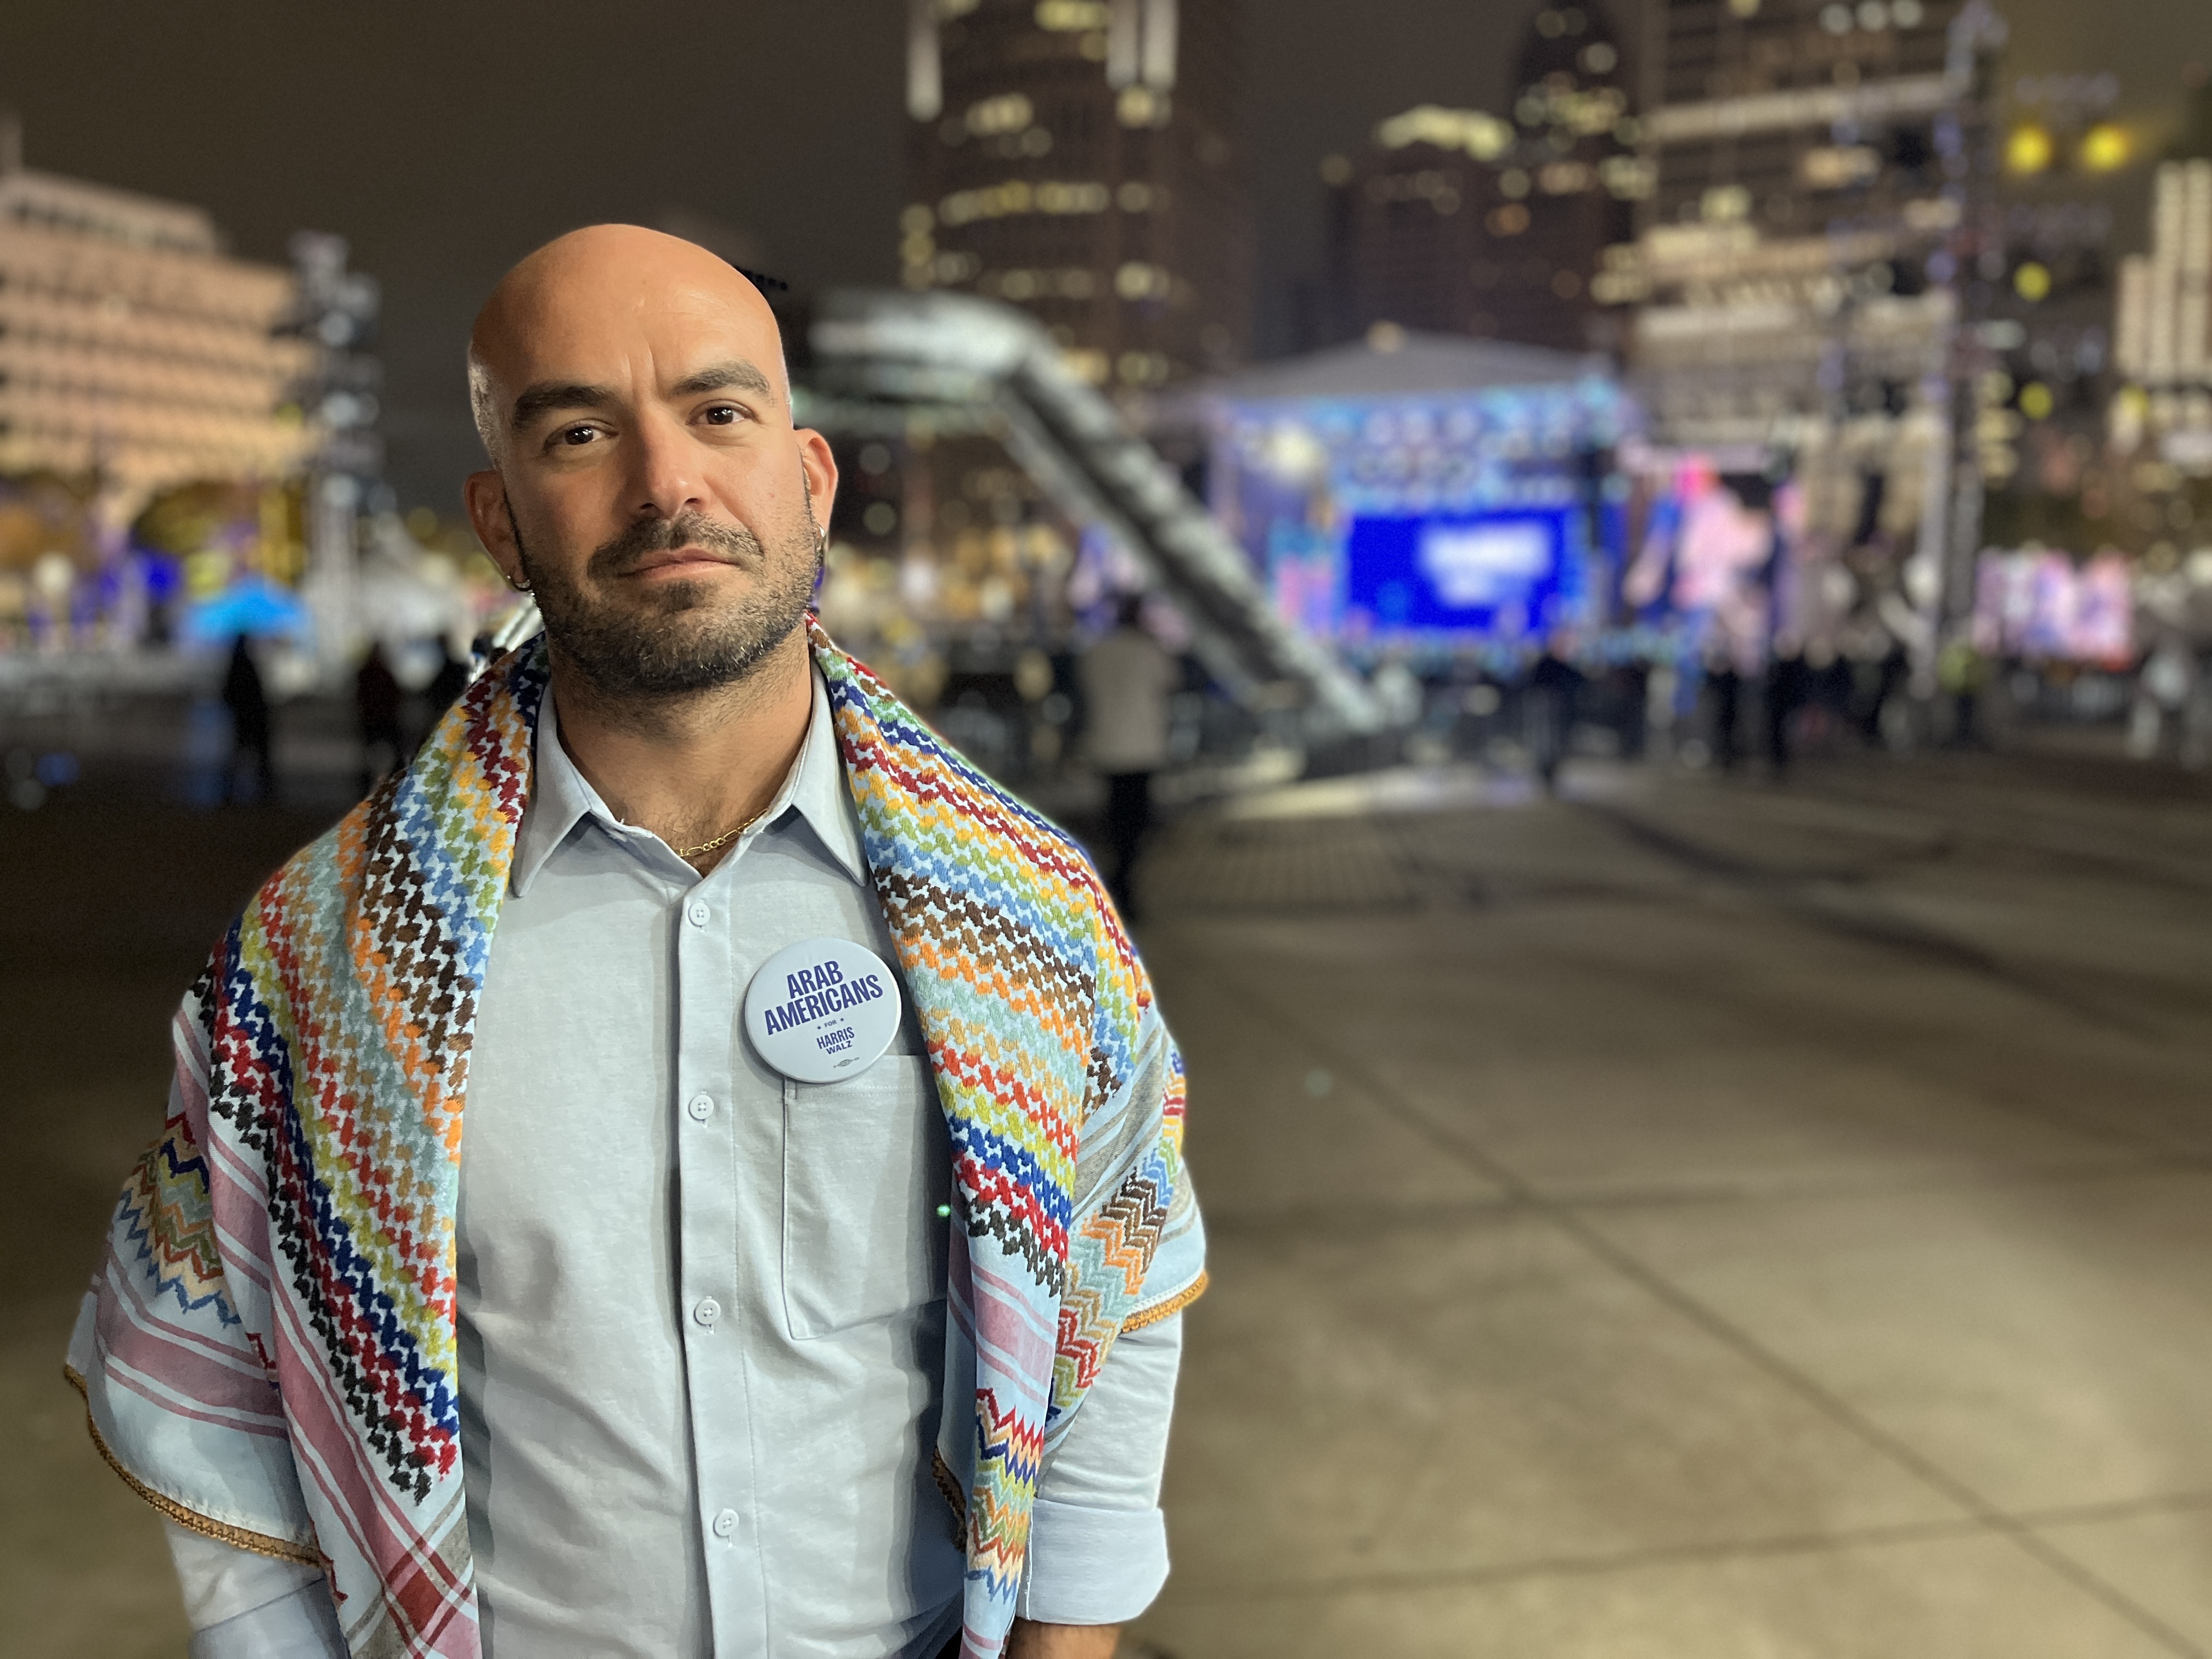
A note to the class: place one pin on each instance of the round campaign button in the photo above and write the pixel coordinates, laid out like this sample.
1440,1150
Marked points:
822,1010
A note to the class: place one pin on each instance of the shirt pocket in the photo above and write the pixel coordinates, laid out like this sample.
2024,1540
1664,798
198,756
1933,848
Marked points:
866,1169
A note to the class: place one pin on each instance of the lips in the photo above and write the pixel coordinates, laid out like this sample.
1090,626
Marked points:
675,558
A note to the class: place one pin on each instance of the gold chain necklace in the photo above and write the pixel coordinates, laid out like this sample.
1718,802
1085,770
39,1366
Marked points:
687,853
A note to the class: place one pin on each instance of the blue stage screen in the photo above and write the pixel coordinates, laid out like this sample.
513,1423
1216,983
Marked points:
1497,574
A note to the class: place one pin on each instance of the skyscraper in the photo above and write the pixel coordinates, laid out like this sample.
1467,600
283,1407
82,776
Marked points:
1822,234
2165,320
1462,221
1078,158
1811,160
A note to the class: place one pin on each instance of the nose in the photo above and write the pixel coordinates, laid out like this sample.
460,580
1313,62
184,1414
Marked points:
665,480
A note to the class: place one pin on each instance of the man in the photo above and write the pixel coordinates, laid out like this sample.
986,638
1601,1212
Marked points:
378,699
1127,678
687,1167
1554,696
250,735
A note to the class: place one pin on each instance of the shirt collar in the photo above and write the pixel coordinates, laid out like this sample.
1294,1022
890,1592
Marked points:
560,797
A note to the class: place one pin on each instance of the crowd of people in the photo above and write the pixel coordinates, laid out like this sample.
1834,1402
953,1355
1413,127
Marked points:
1717,710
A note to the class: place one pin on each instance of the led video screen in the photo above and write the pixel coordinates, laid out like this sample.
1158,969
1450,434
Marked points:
1495,575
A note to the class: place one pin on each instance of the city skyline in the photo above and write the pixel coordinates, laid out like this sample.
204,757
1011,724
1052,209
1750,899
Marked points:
443,155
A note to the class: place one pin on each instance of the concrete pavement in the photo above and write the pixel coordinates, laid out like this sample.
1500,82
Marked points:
1700,1221
1688,1221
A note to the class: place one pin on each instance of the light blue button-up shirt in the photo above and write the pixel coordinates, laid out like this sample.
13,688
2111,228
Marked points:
702,1306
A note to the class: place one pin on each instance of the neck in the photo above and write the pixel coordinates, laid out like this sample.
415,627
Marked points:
691,767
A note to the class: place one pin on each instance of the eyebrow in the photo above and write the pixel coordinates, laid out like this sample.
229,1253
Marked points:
734,374
546,397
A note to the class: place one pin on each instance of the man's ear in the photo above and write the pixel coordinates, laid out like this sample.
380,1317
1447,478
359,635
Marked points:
819,464
485,493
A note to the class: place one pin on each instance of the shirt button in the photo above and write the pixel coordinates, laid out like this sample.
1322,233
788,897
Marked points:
726,1523
708,1311
699,913
701,1107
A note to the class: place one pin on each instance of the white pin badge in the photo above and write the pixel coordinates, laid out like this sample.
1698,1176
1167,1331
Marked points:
822,1010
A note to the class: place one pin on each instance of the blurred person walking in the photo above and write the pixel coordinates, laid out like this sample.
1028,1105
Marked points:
1788,683
446,684
379,701
252,731
1726,684
1962,670
1127,678
1549,702
2165,682
1889,672
822,1153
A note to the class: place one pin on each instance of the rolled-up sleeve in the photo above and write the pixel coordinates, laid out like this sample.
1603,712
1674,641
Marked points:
1098,1545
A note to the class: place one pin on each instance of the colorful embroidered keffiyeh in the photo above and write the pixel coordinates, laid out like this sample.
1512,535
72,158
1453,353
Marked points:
268,1352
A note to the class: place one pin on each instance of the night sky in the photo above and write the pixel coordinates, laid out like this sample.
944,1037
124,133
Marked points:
447,141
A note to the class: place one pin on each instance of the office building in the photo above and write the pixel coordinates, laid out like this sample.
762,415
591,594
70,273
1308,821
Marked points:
133,347
1457,220
1078,158
1810,160
2163,329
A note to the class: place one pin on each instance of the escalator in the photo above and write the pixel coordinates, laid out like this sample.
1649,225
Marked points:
875,352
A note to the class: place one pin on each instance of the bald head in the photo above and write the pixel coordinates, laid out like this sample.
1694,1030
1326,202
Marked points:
610,292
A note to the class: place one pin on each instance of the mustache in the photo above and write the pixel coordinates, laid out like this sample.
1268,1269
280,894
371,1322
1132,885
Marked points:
733,543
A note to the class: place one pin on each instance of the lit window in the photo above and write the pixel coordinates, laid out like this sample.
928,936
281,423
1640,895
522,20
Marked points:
2105,148
1725,205
1087,365
2028,149
1481,136
1137,281
1628,178
1010,112
2032,282
1071,16
1140,106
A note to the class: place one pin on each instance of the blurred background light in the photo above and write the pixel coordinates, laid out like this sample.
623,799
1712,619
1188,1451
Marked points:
2105,148
2028,149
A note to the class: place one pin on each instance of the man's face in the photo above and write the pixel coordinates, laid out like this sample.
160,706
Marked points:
650,488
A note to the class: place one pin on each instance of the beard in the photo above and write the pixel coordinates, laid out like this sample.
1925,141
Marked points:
674,638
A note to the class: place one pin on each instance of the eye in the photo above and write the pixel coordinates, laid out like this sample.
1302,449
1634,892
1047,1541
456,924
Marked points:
724,415
576,436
